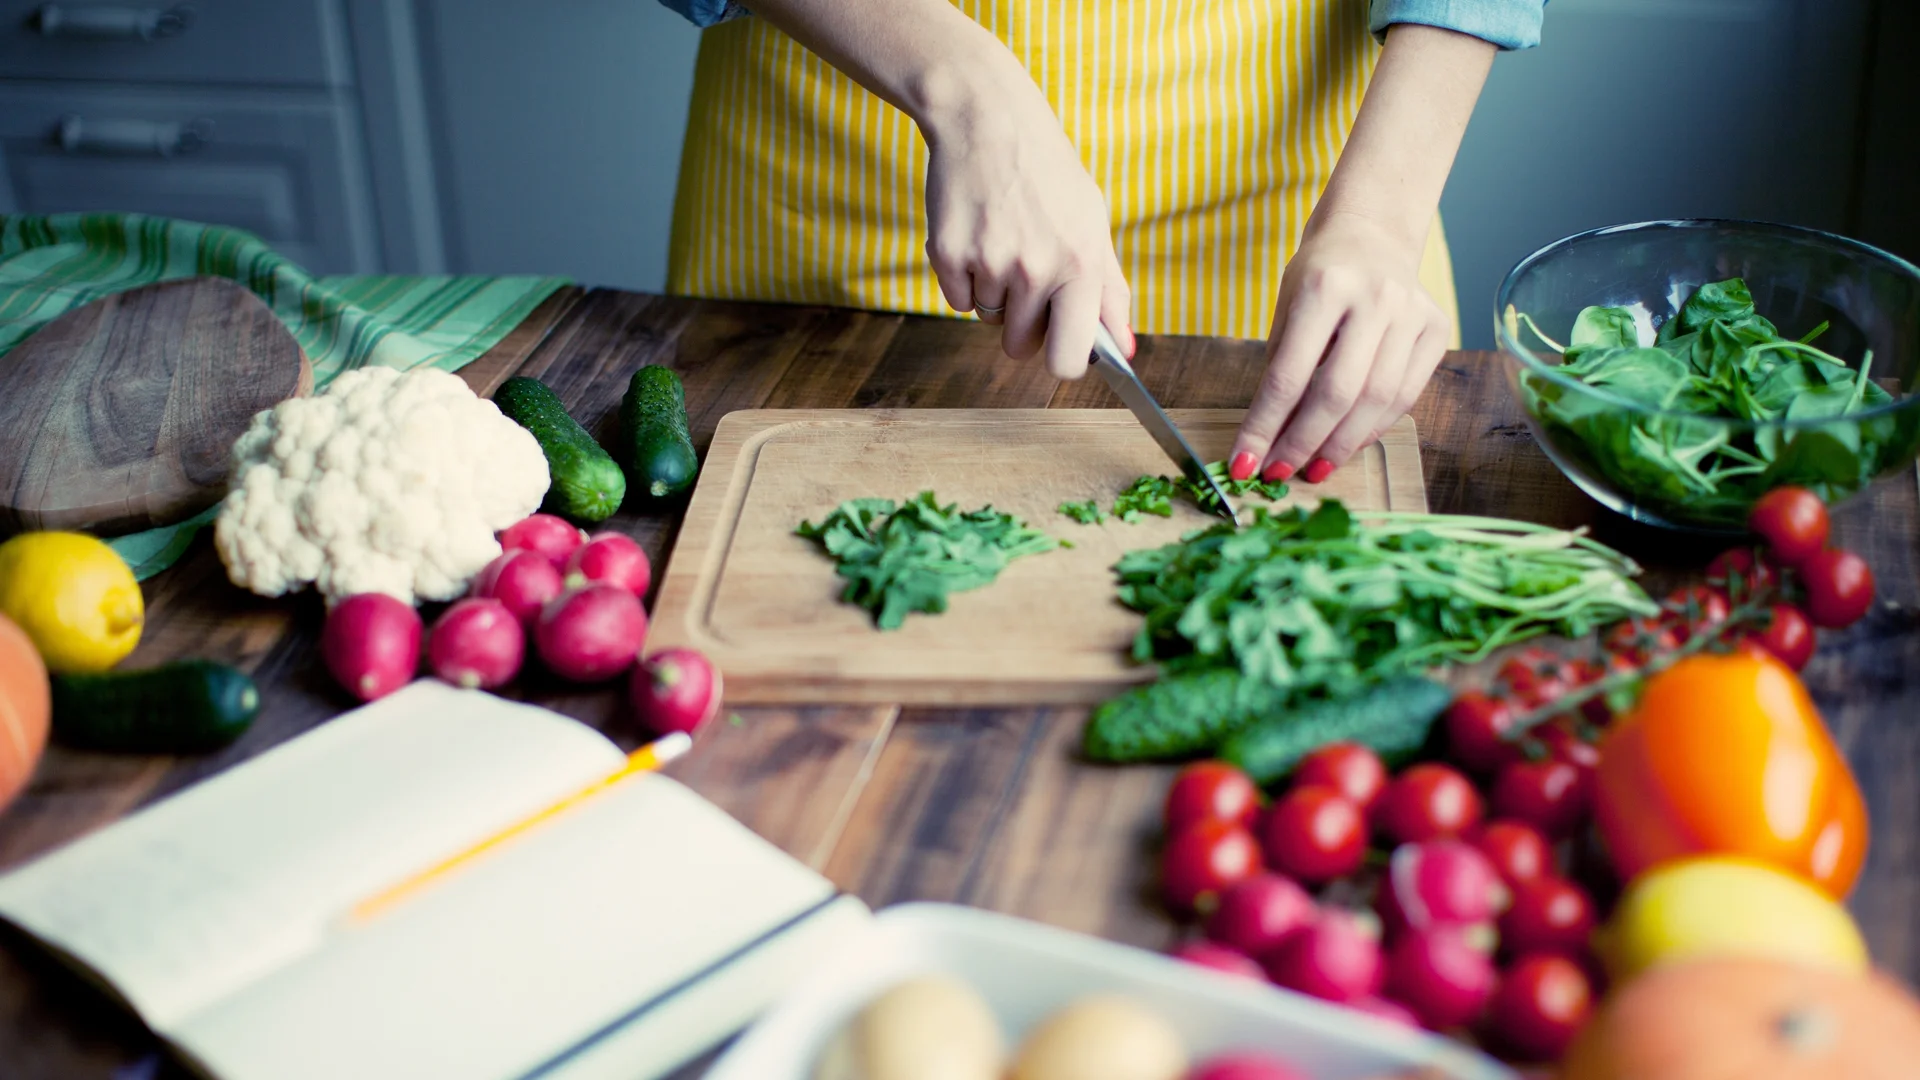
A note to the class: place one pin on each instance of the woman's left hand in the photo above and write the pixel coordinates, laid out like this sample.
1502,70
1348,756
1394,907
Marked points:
1355,339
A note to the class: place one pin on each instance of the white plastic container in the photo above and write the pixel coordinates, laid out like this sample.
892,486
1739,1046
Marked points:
1026,970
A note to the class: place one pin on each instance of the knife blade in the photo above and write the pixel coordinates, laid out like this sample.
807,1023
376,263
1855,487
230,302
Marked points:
1113,367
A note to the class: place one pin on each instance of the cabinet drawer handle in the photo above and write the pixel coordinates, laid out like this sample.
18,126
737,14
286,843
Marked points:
140,138
119,23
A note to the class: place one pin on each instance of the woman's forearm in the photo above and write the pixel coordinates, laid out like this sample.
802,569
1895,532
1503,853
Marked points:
1403,143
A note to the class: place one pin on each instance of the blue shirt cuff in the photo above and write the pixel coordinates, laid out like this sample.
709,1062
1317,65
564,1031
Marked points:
1510,24
707,12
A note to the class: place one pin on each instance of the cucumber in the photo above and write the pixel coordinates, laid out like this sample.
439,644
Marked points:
180,708
1393,718
587,486
653,421
1180,715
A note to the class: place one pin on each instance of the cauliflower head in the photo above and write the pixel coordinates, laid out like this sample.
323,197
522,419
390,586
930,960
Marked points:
387,482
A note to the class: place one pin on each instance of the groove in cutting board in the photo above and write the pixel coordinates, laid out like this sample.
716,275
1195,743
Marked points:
763,603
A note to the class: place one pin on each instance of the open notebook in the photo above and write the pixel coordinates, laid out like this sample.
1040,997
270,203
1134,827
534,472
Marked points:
617,939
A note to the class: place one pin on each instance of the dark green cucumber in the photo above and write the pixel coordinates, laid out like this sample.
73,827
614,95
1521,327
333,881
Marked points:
653,421
586,486
1394,718
180,708
1180,715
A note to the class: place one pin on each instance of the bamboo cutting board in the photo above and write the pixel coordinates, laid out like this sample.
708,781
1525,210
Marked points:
763,603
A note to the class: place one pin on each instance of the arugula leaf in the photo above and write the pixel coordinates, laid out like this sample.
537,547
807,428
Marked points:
904,558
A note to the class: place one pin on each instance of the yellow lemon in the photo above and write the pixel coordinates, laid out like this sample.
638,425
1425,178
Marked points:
74,596
1728,906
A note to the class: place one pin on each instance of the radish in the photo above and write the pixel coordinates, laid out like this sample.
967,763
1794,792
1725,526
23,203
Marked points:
675,690
522,580
1246,1067
477,644
590,633
371,644
1211,954
613,558
1440,883
1336,957
1256,914
1442,975
551,536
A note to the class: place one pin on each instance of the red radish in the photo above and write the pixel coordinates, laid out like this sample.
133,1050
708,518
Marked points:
1427,802
1540,1005
476,644
1441,975
1387,1010
1315,834
1553,796
613,558
1517,850
522,580
1203,860
371,644
1440,883
1349,768
675,690
1336,957
1212,954
1256,914
1211,791
544,533
591,633
1246,1067
1550,915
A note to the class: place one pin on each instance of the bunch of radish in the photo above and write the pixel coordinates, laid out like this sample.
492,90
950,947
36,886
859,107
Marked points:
1471,926
573,600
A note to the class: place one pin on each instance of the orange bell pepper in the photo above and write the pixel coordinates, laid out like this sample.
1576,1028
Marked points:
1727,755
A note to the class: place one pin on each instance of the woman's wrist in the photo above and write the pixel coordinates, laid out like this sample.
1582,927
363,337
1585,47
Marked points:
971,92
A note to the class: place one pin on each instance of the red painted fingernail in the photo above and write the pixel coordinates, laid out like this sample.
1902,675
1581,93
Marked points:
1242,466
1318,469
1278,472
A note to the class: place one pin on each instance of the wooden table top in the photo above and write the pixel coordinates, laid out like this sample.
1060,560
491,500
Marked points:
978,806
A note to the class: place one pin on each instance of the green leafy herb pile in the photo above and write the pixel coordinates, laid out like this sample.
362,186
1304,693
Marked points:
908,557
1155,494
1716,359
1250,623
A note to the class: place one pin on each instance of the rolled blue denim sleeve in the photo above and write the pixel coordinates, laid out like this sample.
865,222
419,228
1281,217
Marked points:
706,12
1510,24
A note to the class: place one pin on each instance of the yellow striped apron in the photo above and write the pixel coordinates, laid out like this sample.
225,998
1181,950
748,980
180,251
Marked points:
1212,126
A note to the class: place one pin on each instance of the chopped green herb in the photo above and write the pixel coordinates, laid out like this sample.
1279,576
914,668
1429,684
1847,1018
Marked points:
1086,513
736,720
908,557
1155,494
1147,495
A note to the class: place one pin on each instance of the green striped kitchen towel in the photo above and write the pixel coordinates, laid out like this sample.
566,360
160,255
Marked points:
51,265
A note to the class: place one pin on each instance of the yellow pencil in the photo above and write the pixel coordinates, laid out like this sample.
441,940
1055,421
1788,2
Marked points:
646,759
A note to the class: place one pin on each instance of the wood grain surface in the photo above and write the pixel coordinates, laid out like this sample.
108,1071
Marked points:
121,414
984,805
760,601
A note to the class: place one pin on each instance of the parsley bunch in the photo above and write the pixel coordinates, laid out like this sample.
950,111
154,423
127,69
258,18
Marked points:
909,557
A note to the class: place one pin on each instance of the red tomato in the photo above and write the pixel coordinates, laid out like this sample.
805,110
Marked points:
1552,796
1792,521
1640,640
1211,791
1516,849
1788,636
1548,914
1540,1003
1349,768
1537,676
1475,726
1203,860
1741,572
1839,588
1563,743
1696,608
1428,802
1315,834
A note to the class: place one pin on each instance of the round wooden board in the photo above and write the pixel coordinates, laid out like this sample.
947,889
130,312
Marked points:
121,415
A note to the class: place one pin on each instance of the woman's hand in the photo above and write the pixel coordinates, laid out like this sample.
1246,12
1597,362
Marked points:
1355,339
1017,229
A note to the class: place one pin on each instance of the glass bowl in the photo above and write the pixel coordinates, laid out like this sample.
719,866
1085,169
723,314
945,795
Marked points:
1681,469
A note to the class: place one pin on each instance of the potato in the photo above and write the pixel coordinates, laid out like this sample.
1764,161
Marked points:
930,1028
1102,1038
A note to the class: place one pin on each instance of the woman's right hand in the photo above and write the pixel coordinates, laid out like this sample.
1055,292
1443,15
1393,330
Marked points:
1017,229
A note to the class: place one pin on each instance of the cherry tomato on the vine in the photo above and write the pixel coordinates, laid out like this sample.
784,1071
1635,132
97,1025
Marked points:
1548,914
1541,1002
1793,522
1839,588
1349,768
1552,796
1641,639
1202,860
1742,572
1315,834
1475,725
1787,635
1537,676
1696,609
1211,791
1427,802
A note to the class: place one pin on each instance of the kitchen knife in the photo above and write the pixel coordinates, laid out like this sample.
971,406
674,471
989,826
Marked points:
1113,367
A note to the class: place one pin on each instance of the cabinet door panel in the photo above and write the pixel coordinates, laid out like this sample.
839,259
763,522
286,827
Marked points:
262,42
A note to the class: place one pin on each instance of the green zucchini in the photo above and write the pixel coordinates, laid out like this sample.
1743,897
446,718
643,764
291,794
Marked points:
1393,718
653,422
185,707
587,486
1180,715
